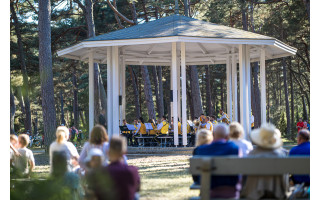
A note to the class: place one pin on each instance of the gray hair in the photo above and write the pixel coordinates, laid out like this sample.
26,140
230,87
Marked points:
220,130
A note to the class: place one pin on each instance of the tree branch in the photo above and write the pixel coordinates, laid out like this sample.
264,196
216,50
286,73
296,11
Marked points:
118,13
33,8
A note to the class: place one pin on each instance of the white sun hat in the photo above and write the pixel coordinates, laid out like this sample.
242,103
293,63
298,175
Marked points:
94,152
267,136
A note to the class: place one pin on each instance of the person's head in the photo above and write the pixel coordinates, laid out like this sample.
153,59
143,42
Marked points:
207,118
300,119
59,163
124,122
23,140
98,135
267,137
212,118
236,130
220,131
163,118
95,158
62,134
204,136
135,121
141,120
117,148
202,118
14,140
303,136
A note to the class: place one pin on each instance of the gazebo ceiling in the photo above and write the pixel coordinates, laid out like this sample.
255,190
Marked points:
150,43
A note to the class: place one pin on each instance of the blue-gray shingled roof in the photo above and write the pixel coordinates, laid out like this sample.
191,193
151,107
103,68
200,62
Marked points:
176,25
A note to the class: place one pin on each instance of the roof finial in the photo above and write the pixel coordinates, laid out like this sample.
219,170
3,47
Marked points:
176,9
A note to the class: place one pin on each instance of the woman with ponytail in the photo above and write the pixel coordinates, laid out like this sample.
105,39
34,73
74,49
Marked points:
62,145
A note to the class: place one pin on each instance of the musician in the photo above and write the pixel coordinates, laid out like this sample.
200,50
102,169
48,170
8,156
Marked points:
141,128
154,131
213,120
125,124
163,126
179,127
224,117
203,121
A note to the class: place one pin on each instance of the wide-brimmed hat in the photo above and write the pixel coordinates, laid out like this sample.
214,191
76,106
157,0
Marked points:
267,136
94,152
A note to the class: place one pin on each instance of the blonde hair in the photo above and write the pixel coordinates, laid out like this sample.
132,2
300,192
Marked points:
62,133
236,130
204,136
24,140
13,137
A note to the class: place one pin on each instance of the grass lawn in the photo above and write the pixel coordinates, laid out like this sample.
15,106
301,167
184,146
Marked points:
162,177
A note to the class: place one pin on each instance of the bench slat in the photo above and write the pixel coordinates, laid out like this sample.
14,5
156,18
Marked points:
231,165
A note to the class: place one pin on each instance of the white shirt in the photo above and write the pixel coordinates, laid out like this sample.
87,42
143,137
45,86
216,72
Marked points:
252,119
244,146
222,117
22,162
68,148
159,126
104,147
208,125
138,128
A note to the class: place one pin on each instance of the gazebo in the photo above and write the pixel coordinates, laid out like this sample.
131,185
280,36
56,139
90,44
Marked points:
177,41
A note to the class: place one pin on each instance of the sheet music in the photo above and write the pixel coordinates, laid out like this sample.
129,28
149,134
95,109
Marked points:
190,122
131,127
148,126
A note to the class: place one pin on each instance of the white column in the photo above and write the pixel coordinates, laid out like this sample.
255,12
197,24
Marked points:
123,71
184,93
248,76
120,88
178,87
109,90
174,88
234,87
229,87
263,85
243,88
115,91
91,91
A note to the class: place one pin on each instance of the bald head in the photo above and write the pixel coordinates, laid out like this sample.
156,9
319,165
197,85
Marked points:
303,136
220,131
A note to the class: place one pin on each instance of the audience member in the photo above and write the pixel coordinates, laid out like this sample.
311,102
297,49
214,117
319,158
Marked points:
95,159
13,148
269,143
236,136
125,180
203,136
300,124
303,149
221,186
25,162
61,144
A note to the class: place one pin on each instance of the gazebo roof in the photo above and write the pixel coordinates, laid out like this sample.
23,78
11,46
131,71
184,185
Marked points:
177,25
150,43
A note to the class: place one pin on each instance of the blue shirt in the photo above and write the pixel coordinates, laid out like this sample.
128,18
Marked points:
302,149
219,148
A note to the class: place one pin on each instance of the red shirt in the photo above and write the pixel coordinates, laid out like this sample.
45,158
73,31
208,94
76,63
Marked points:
300,125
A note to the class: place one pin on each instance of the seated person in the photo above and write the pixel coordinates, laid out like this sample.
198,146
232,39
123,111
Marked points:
116,181
303,149
13,148
221,186
163,126
25,162
154,131
236,136
269,143
213,120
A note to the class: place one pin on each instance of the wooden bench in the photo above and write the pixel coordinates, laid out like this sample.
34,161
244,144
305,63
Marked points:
231,165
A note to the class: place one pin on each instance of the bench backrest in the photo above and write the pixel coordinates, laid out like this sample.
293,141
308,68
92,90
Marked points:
231,165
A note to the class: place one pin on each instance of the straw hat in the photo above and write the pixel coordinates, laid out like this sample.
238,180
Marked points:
268,136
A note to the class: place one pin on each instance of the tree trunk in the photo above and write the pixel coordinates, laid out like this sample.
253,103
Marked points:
286,96
148,92
185,8
292,105
35,124
305,113
12,112
62,110
257,102
189,94
243,12
75,99
46,76
195,91
103,98
221,94
208,91
156,89
25,85
161,105
136,92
